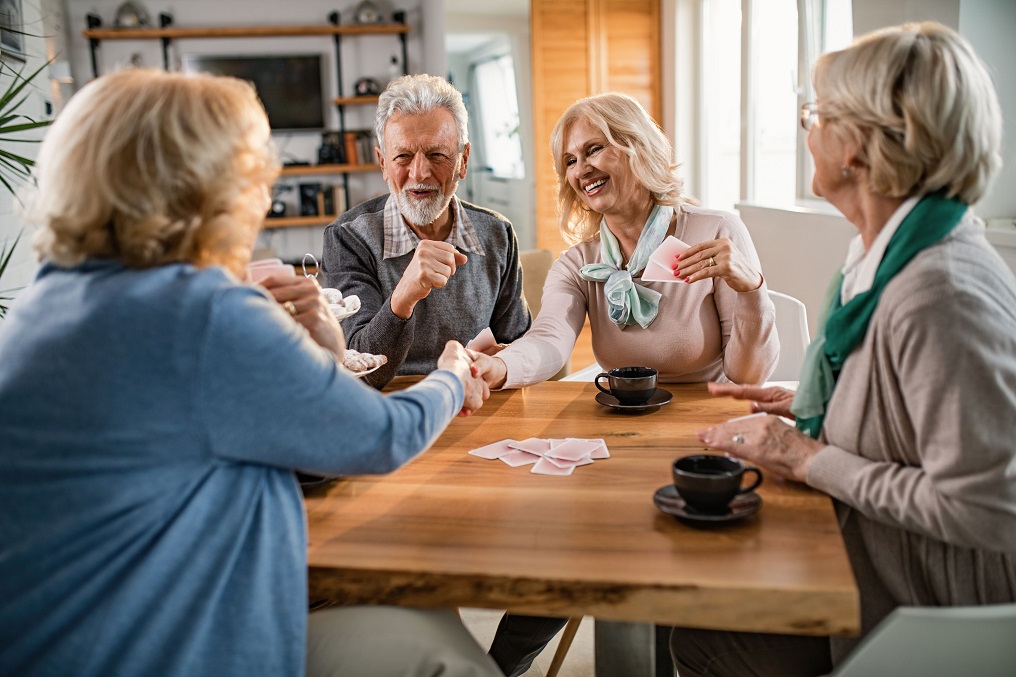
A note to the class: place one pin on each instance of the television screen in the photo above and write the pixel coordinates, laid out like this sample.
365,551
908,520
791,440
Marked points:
289,86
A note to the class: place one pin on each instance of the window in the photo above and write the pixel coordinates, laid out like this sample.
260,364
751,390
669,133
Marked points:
498,110
756,60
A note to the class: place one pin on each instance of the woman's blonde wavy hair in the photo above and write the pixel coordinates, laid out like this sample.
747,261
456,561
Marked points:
628,127
152,168
921,108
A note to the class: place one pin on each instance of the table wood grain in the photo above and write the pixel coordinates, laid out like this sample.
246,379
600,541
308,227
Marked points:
450,529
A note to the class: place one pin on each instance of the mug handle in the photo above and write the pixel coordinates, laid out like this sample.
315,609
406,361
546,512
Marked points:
596,380
754,485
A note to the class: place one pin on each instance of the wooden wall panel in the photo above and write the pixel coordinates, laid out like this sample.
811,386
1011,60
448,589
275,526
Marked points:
583,47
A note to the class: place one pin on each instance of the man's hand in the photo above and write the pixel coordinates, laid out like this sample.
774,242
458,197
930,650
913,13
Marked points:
432,266
302,298
459,361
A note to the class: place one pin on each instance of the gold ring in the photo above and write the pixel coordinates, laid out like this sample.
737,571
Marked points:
290,308
712,262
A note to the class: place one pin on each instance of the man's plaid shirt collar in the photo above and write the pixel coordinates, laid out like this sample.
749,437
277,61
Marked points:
400,238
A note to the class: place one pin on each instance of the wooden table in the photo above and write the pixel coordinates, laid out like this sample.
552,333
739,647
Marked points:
451,529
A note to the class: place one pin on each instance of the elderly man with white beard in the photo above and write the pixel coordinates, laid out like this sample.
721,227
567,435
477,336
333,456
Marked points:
427,266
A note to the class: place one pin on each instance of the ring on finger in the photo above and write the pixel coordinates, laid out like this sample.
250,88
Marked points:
290,308
737,438
712,262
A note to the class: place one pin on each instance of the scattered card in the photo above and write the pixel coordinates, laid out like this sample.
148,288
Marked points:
518,457
600,451
545,467
495,450
574,449
561,463
533,445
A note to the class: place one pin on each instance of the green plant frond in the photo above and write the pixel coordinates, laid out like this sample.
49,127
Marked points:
7,185
11,108
19,83
8,158
28,126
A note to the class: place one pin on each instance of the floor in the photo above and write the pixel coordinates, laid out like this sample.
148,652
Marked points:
578,663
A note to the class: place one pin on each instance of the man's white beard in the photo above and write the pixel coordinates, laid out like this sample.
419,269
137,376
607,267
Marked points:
423,212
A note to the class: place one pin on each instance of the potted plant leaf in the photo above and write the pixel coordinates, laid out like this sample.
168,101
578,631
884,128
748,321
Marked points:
14,166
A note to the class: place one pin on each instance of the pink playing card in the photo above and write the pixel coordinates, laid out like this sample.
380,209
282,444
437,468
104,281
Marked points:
495,450
518,457
533,445
600,451
561,463
545,467
485,339
666,253
264,262
655,272
574,449
261,272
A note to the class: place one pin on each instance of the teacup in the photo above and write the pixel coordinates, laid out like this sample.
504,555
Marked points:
709,483
630,385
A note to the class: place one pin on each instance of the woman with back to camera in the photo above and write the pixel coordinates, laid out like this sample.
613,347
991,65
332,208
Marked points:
908,395
620,197
153,408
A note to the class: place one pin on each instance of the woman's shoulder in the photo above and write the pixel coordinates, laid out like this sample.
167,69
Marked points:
716,222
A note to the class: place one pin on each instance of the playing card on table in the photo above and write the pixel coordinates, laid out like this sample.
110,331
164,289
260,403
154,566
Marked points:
534,445
495,450
545,467
562,463
258,273
517,457
574,449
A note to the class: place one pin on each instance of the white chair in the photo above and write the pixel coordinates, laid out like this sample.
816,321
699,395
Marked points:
792,328
941,641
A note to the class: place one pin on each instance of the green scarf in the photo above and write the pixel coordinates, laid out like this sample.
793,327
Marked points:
629,303
842,327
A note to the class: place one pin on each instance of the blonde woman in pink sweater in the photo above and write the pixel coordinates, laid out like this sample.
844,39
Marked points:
619,197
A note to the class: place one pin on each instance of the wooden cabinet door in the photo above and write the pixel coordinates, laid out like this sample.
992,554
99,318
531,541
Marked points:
583,47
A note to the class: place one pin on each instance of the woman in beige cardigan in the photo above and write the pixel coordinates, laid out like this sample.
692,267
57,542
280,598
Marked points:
907,398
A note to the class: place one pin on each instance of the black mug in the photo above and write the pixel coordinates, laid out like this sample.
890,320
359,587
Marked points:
709,483
630,385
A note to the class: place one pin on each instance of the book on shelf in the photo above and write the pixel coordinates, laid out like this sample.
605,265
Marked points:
359,146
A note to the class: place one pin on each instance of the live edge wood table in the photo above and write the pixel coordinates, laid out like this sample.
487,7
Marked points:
450,529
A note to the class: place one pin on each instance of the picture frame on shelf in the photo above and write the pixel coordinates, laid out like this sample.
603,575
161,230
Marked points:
12,31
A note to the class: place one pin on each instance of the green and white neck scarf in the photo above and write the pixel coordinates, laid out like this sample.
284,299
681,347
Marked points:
629,303
842,327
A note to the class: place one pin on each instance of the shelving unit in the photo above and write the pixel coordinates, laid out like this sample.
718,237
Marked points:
166,32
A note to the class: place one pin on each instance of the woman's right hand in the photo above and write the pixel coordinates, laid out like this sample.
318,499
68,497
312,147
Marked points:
459,361
772,400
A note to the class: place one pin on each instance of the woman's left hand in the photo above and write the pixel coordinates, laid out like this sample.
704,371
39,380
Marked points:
767,442
718,258
301,297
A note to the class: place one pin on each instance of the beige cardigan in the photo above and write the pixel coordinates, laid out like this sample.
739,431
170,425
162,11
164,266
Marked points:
922,436
704,331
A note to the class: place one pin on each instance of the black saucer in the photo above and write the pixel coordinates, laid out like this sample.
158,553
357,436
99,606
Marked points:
314,480
659,397
667,499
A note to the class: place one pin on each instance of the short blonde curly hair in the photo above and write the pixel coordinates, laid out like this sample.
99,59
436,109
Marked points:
921,108
153,168
628,127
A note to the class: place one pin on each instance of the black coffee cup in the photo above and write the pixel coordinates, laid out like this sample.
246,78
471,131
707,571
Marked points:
709,483
630,385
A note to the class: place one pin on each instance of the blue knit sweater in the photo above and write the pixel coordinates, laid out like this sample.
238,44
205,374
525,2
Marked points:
149,423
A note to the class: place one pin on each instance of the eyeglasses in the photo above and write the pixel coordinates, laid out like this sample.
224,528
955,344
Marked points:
809,115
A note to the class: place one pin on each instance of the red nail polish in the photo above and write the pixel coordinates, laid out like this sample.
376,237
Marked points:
687,279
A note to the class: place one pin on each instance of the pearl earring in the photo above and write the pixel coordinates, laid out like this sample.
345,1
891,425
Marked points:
846,171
